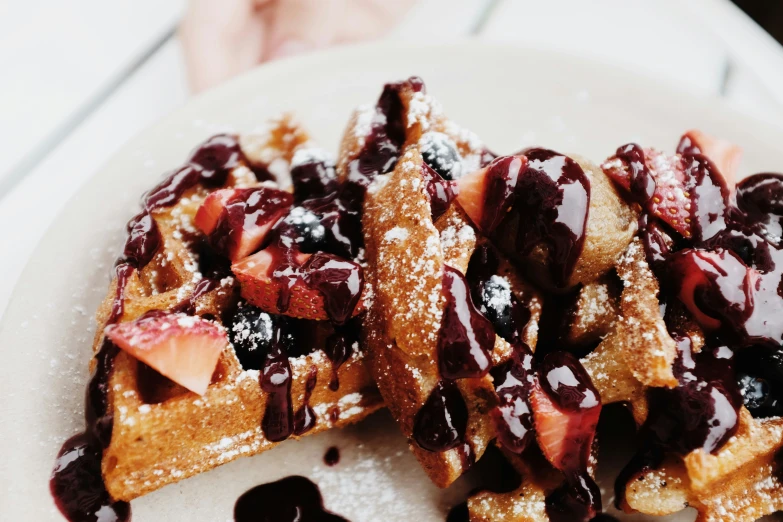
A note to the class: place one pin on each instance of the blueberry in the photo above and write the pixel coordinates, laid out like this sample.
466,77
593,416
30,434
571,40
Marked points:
497,303
440,153
755,391
760,379
251,334
312,174
303,229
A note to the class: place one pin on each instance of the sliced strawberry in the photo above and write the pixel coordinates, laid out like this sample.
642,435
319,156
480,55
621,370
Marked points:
210,210
184,348
565,432
671,201
317,286
470,194
714,286
244,218
726,156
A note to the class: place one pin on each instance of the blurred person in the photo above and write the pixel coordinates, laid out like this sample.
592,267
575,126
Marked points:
222,38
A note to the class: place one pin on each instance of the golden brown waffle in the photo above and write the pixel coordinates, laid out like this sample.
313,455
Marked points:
741,483
406,253
163,433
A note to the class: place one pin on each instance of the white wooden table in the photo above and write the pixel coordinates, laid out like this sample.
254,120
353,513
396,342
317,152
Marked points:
79,78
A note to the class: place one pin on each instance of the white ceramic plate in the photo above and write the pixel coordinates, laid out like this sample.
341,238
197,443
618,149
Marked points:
511,97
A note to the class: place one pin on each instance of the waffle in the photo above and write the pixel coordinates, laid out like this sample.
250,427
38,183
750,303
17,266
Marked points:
485,300
156,439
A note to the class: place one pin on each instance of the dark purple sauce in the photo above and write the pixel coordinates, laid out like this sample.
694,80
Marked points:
564,380
459,513
503,176
291,499
339,348
708,195
513,417
304,418
188,305
440,191
441,422
275,380
466,338
332,456
77,485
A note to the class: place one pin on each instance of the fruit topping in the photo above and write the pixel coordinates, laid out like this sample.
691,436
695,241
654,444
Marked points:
493,296
312,174
488,194
689,194
440,191
760,379
566,408
244,218
302,229
317,286
441,155
183,348
715,286
723,154
251,335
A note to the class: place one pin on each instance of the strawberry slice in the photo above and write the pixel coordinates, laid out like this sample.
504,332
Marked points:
210,210
726,156
184,348
470,194
565,431
489,193
318,286
244,218
714,286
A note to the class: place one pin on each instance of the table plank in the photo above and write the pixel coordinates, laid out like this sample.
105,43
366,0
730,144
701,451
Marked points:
57,58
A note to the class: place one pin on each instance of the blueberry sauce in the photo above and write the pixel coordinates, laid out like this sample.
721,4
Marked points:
459,513
493,296
76,483
332,456
441,422
304,418
339,348
440,191
188,305
291,499
275,380
708,195
565,382
513,417
466,338
503,176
